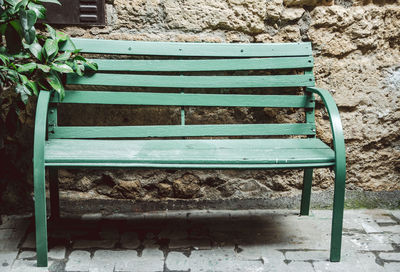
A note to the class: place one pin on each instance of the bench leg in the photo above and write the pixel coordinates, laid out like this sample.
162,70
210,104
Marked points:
54,194
40,215
306,192
337,217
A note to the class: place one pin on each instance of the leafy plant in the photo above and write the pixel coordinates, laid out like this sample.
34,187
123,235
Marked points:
31,61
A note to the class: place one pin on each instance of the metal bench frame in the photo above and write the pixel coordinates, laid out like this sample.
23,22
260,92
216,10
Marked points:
223,57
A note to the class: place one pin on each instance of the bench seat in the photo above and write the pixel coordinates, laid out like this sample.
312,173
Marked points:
221,153
210,153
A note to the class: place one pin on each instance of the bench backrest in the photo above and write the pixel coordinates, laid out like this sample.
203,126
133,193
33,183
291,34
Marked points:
187,66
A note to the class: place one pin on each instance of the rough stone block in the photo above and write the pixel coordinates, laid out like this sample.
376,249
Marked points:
130,240
26,254
177,261
105,260
28,265
151,260
84,244
390,256
300,266
6,259
304,255
78,260
371,227
221,260
57,252
190,243
30,241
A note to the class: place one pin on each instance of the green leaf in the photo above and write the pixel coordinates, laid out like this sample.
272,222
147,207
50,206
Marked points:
4,59
24,92
28,19
3,29
16,24
44,68
29,67
80,58
55,83
62,68
21,55
64,56
51,1
12,75
51,48
51,31
30,35
40,10
79,68
36,50
61,36
92,65
24,78
20,4
32,85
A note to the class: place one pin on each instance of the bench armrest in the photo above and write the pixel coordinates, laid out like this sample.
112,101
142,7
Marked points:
337,130
40,128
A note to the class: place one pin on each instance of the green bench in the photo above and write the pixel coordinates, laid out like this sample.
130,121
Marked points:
173,72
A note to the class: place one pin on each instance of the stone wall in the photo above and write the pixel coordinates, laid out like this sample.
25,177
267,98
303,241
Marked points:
356,46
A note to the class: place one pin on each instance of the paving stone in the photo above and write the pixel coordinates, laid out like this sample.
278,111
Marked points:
28,265
30,241
385,220
78,260
6,259
259,251
371,227
5,233
350,261
26,254
173,234
396,213
190,243
313,255
392,267
116,216
152,260
109,234
392,229
375,241
130,240
14,221
390,256
92,216
12,237
177,261
104,261
221,260
57,252
300,266
395,238
84,244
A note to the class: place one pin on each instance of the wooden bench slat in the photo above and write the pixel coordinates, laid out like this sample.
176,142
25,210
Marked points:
189,165
190,49
204,65
239,151
182,131
185,99
192,81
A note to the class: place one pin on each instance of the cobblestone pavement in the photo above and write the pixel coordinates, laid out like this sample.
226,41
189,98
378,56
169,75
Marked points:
256,240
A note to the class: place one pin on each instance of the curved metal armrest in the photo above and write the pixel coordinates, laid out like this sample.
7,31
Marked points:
336,126
40,126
